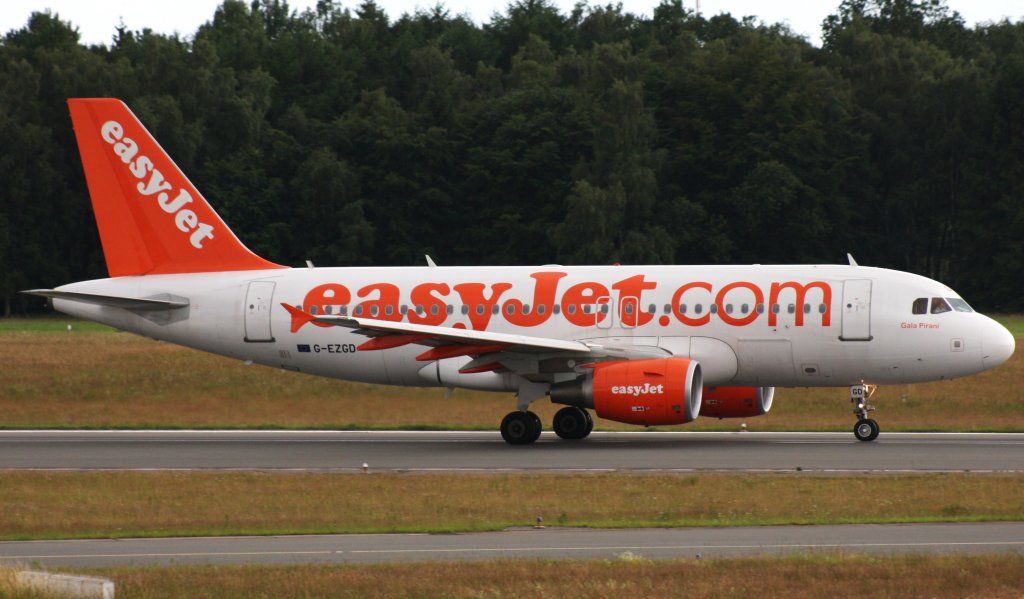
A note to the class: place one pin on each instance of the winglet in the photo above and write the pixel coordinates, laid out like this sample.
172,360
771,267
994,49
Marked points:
299,317
151,219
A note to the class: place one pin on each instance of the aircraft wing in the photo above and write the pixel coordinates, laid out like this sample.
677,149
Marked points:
446,342
489,348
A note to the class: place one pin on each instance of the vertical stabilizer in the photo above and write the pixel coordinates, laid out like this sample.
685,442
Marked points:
151,219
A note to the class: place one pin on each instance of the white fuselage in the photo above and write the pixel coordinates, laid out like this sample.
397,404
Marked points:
784,326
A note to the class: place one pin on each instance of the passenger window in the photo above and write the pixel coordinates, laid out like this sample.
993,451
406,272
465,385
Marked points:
434,310
604,308
479,308
510,309
698,308
465,309
745,308
541,309
939,306
920,306
389,309
403,309
359,310
343,310
629,308
419,309
495,309
450,309
526,308
760,308
791,308
682,308
775,309
571,309
807,308
728,308
586,308
373,310
713,308
652,309
312,310
557,309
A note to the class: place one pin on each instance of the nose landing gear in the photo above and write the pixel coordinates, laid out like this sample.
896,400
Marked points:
866,429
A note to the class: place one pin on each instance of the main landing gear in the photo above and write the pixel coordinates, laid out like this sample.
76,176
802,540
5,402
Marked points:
866,429
520,428
573,423
523,427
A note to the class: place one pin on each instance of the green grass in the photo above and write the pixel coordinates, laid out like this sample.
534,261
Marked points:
1013,322
50,324
833,575
48,505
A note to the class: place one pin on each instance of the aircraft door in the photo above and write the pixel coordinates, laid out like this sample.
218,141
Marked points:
629,307
856,310
257,311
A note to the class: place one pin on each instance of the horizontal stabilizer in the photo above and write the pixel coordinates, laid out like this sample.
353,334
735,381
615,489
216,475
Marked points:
135,304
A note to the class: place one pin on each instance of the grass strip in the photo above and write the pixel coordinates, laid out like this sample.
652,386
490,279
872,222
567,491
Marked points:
88,379
836,576
48,505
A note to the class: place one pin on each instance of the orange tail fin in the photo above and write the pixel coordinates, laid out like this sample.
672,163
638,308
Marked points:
152,220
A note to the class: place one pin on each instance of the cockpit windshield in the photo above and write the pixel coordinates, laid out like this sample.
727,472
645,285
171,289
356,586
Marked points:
959,305
940,305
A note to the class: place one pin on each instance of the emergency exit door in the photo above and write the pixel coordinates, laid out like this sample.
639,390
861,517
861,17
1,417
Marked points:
257,311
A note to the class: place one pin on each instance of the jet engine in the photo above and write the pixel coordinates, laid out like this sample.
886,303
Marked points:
736,402
645,392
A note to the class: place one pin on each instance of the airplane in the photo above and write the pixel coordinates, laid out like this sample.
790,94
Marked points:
645,345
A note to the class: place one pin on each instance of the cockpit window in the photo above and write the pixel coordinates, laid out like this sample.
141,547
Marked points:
921,305
940,305
959,305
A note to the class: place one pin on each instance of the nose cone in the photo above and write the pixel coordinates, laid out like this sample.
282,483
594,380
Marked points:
997,346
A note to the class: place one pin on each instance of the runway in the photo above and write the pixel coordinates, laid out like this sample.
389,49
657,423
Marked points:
485,451
657,543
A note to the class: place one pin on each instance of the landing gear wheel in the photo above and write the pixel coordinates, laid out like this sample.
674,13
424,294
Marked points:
520,428
866,430
572,423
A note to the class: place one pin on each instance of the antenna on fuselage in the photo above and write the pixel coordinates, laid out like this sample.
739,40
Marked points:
849,257
430,261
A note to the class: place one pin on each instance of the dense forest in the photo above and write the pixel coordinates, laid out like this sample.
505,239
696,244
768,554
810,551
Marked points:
348,137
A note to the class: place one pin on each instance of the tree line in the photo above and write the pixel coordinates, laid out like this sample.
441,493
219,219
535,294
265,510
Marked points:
347,137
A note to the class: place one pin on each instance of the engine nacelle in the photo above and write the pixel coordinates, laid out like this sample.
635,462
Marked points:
736,402
647,392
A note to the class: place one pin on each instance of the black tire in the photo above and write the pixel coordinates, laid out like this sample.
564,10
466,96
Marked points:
572,423
537,426
590,424
866,430
520,428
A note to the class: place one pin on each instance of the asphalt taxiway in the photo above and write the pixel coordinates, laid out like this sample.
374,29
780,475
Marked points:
655,543
485,451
